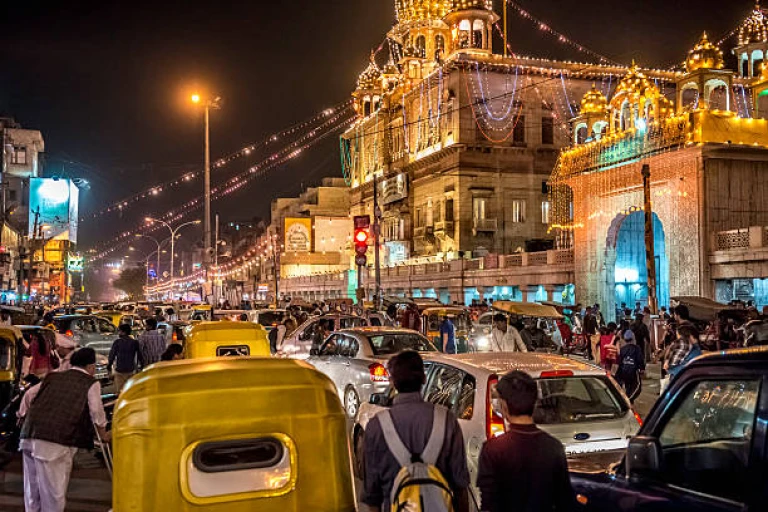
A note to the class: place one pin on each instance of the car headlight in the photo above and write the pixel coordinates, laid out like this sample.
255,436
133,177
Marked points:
483,342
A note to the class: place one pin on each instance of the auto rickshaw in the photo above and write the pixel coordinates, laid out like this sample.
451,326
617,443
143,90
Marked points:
232,435
225,339
201,312
544,318
11,353
112,315
432,317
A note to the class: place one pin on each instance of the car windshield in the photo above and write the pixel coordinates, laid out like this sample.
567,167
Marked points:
392,343
576,400
271,317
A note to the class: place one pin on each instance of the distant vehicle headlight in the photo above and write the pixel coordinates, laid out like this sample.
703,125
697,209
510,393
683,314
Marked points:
483,343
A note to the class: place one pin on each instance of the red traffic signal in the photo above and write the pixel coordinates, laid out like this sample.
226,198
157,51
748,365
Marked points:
361,237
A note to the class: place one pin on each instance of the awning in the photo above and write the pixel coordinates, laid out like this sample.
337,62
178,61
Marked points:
530,309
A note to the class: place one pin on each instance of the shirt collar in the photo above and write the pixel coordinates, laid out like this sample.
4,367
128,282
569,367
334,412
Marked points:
83,370
407,398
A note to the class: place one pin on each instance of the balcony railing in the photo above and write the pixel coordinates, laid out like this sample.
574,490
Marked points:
752,237
485,225
444,226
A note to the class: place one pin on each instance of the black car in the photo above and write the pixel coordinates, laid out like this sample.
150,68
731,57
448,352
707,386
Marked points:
703,447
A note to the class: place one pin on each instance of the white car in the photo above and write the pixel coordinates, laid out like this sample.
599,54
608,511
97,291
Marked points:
579,403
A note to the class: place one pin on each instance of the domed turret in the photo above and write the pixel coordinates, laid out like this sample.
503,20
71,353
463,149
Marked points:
369,90
637,98
416,10
594,102
755,28
635,84
704,55
458,5
370,78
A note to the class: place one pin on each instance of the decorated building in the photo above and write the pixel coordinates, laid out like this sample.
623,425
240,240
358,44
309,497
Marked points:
706,155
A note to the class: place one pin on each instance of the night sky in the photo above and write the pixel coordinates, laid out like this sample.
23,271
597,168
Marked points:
107,82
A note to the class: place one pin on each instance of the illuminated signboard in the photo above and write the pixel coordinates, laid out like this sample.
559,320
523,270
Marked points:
53,208
298,234
75,262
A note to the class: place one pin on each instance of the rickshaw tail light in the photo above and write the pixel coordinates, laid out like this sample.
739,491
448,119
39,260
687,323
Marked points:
378,373
556,373
494,421
69,333
175,337
638,418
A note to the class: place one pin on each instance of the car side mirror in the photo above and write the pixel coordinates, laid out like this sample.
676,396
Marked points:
314,352
381,399
643,455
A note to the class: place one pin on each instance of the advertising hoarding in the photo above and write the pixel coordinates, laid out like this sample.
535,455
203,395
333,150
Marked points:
298,234
53,208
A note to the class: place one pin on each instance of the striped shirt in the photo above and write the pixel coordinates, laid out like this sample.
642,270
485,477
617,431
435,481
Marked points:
152,345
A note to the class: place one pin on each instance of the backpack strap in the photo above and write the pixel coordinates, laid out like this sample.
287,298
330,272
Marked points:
436,437
394,443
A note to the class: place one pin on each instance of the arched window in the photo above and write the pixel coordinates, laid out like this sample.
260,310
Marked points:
744,65
421,46
580,134
757,62
465,27
367,106
478,27
626,116
439,46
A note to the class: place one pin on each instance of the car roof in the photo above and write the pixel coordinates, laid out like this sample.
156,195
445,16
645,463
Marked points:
70,317
367,331
749,355
533,363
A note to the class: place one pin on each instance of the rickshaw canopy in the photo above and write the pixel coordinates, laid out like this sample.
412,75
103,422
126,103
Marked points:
701,308
225,338
528,309
235,435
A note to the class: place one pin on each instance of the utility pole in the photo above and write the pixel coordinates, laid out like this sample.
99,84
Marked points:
376,231
275,271
216,261
506,35
650,256
207,188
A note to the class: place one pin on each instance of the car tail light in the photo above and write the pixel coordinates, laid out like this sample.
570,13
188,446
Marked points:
638,418
556,373
69,333
378,373
174,336
494,420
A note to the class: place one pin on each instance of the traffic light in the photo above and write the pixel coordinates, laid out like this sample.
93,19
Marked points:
361,246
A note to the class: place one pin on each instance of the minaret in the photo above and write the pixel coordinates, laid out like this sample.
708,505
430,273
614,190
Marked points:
753,43
471,23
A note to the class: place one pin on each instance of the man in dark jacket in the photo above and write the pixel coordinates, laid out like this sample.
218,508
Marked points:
61,418
642,335
524,469
631,367
126,357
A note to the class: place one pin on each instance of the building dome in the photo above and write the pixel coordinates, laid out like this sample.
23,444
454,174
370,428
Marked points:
704,55
755,28
460,5
636,84
594,102
370,78
416,10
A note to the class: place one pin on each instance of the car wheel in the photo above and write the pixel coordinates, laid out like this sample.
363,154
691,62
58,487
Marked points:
351,402
358,453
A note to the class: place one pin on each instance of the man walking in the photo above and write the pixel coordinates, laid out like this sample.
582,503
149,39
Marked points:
412,420
524,469
126,357
152,343
631,367
592,335
504,337
60,419
448,336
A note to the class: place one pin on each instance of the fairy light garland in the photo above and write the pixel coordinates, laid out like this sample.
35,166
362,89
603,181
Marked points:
341,120
154,191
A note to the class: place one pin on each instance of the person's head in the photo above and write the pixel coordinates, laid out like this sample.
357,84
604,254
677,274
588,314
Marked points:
174,352
406,371
629,336
151,324
611,327
124,330
682,313
65,346
589,310
688,333
623,305
518,393
637,304
639,318
596,307
500,321
663,309
48,318
85,358
243,317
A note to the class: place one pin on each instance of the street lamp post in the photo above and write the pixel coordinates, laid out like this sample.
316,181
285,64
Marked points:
208,104
173,232
159,245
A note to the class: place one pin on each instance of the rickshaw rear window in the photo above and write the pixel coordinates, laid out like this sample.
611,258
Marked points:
271,317
220,456
233,351
385,344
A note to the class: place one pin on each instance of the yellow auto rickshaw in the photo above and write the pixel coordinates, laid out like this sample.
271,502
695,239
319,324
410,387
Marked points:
201,312
232,435
432,317
225,338
11,343
112,315
540,318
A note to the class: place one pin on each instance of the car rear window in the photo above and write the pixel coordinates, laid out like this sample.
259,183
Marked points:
271,317
386,344
577,400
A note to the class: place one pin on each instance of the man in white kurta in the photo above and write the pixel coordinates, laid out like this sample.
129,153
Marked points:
58,418
504,337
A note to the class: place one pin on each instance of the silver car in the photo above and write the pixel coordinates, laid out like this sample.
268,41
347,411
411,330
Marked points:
578,403
299,343
88,331
355,360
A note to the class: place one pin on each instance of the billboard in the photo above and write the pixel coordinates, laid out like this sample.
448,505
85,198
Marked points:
298,234
53,208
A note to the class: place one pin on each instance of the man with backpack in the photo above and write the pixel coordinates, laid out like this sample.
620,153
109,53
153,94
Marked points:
413,452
